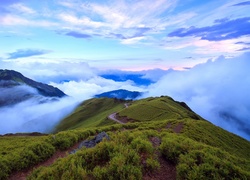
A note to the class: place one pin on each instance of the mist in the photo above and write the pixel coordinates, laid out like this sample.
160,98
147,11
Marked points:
218,90
83,90
35,114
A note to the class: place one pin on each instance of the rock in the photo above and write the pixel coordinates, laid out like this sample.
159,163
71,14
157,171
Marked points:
100,136
91,143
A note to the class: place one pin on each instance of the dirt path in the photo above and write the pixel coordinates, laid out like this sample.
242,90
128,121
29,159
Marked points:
113,116
167,170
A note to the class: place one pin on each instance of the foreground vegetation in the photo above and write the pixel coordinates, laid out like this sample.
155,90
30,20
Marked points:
198,150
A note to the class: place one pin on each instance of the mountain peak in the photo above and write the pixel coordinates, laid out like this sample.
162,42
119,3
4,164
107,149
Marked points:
11,78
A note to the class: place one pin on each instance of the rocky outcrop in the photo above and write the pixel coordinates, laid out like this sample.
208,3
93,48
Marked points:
91,143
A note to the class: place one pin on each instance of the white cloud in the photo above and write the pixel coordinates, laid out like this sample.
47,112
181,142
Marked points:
34,116
83,90
205,47
217,90
14,20
83,21
22,8
132,40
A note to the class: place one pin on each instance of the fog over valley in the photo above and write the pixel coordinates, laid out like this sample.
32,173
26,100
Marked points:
218,90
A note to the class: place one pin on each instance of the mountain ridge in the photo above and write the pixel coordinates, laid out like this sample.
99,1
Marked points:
162,138
17,78
16,88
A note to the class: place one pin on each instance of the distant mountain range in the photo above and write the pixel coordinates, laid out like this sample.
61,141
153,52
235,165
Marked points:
120,94
16,88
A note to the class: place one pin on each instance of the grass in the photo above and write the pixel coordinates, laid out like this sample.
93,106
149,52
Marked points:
196,160
91,113
200,150
122,157
153,109
18,153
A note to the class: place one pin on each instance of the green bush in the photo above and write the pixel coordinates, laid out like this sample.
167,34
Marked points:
152,164
208,163
173,146
108,160
142,145
4,169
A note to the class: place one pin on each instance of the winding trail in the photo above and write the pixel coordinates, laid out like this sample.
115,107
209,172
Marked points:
113,115
113,118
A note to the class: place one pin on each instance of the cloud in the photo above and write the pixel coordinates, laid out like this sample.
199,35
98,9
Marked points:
20,53
246,3
128,21
156,74
22,9
244,43
244,49
78,35
83,90
16,20
54,71
80,21
32,116
217,90
132,40
223,29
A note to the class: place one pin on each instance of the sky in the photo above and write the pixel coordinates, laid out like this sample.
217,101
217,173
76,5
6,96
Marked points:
194,51
123,34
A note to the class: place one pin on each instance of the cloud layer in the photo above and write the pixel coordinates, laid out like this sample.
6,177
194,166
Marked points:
37,114
22,53
217,90
223,29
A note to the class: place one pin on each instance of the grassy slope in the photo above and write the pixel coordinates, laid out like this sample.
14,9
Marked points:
91,113
151,109
201,149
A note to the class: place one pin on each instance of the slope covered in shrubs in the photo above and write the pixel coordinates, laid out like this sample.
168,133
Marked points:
193,148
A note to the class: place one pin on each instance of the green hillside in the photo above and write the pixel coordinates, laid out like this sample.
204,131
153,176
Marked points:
91,113
162,108
94,112
170,142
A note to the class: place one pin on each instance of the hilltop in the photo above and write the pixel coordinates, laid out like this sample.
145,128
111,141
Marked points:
160,138
16,88
94,112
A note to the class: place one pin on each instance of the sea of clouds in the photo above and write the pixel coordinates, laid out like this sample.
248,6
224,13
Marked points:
218,90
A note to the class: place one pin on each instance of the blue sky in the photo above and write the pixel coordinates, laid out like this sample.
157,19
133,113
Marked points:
123,34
